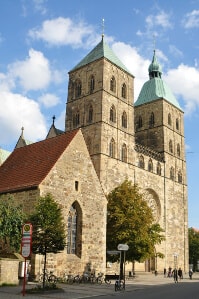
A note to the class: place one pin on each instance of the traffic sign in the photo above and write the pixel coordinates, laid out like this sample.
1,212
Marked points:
123,247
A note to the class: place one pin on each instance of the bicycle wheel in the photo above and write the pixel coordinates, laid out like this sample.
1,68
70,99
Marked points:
52,278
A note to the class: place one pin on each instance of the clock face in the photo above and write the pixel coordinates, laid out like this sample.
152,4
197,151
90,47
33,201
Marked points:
153,203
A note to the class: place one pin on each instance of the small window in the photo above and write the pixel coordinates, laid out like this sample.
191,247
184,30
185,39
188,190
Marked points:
90,114
78,88
124,90
179,177
113,84
140,122
177,124
112,148
141,162
112,114
158,169
178,150
150,166
76,185
124,120
172,173
76,119
124,153
91,84
169,119
170,146
151,120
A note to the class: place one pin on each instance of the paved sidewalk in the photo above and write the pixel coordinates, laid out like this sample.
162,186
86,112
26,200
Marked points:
77,291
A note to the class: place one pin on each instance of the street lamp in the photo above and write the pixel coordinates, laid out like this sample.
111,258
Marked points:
175,255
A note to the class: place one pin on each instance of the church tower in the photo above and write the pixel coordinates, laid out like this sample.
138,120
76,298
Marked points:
100,101
159,125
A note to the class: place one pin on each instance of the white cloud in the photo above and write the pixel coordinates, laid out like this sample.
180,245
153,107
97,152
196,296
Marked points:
33,73
184,82
191,20
135,63
20,111
175,51
161,19
40,6
63,31
49,100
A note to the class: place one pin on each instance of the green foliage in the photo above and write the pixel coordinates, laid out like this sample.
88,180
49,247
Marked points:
130,221
11,220
193,247
48,227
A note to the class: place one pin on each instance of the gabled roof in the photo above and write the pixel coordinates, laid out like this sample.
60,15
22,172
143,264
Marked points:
27,166
102,50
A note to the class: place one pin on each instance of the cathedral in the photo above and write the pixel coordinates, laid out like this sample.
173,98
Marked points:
109,137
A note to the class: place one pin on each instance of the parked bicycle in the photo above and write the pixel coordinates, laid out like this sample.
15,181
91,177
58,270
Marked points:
48,276
119,285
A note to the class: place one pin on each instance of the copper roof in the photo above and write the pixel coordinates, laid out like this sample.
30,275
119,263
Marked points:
27,166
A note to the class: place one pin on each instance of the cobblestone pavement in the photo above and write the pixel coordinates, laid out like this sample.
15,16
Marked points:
78,291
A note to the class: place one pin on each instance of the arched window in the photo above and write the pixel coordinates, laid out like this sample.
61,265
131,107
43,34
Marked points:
112,114
177,124
150,166
169,119
90,114
179,177
112,148
140,122
124,120
124,153
172,173
78,88
158,169
123,91
151,120
178,150
113,84
141,162
91,84
76,119
72,231
170,146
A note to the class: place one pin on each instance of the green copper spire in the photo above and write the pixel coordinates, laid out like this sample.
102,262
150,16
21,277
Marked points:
155,88
102,50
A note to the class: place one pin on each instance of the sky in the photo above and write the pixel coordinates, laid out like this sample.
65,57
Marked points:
42,40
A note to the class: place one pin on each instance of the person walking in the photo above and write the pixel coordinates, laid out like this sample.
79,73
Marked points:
180,273
190,273
175,275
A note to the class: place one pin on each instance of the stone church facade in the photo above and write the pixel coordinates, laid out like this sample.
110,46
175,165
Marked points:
116,139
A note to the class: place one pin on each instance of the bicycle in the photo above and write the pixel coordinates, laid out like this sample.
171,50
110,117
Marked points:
48,277
119,285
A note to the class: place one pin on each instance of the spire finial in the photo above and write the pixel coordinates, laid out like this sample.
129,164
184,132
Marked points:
53,119
22,129
154,42
102,27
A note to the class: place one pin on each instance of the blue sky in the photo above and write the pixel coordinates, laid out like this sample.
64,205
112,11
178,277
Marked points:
41,40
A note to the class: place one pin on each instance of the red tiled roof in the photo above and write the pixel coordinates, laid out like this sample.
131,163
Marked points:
27,166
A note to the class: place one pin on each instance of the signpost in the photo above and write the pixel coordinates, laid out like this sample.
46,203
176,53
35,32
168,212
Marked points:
26,244
122,248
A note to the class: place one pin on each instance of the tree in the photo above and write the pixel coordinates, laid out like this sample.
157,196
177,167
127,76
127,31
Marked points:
193,247
130,221
11,220
48,228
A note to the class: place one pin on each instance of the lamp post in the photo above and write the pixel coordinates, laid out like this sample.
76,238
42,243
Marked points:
175,255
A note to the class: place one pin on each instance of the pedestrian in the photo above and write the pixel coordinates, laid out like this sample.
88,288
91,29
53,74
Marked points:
190,273
165,272
175,275
180,273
